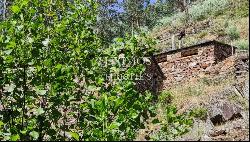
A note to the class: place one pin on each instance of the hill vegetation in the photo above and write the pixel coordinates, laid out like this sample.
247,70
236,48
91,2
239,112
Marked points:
223,20
58,59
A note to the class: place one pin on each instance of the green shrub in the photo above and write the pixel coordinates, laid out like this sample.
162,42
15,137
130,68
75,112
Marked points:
165,97
207,7
199,112
233,32
173,125
197,11
242,9
242,44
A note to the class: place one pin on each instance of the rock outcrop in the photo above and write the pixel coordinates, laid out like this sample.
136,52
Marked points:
226,119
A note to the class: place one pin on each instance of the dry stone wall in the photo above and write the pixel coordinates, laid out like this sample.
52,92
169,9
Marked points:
179,69
151,79
222,52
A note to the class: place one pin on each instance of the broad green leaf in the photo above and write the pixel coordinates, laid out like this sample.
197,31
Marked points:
25,2
74,135
41,92
15,9
34,134
11,44
133,113
1,123
23,132
8,51
100,81
38,68
40,111
10,88
114,125
58,66
14,137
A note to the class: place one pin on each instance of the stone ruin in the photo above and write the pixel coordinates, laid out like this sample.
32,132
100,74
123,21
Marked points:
180,65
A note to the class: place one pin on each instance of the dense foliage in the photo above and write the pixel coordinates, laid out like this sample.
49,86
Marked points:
118,17
54,82
172,124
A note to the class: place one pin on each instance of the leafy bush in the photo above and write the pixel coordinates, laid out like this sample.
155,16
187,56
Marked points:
242,9
198,11
165,97
199,112
53,76
207,8
232,32
173,125
242,44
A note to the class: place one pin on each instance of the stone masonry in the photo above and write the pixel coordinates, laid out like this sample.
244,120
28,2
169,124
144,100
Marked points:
182,64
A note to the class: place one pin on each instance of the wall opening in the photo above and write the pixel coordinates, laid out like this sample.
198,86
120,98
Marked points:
190,52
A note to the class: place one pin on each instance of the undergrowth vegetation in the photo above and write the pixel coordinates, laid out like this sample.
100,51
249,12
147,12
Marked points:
222,20
197,11
242,44
53,76
172,124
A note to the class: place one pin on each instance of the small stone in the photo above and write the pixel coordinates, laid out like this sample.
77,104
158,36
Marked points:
206,138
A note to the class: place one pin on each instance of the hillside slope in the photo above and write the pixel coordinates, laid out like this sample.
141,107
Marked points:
218,104
228,23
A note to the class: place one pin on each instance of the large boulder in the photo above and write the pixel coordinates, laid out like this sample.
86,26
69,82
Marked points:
223,111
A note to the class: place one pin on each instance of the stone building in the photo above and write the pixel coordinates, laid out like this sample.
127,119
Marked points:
152,79
180,65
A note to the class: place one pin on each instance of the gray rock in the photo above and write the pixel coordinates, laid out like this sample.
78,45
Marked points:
246,89
223,112
206,138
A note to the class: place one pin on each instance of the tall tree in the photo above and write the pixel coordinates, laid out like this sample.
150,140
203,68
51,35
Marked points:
109,21
134,13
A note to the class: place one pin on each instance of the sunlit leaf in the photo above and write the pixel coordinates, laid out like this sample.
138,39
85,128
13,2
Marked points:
40,111
74,135
1,123
10,88
34,134
15,9
46,42
14,137
8,51
41,92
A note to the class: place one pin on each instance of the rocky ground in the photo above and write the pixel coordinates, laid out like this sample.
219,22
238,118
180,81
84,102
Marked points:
225,98
228,118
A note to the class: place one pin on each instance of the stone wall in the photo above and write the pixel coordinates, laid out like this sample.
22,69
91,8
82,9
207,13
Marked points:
178,69
222,52
151,79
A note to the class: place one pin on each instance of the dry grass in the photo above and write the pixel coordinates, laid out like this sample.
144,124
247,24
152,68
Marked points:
198,92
